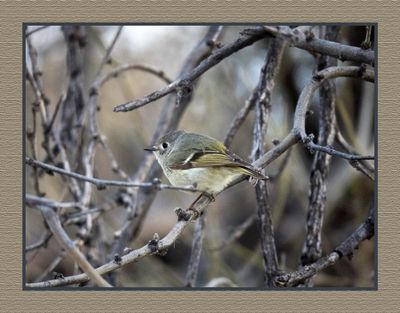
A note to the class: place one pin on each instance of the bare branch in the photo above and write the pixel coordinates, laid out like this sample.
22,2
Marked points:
361,165
51,266
307,41
154,247
128,67
366,44
33,200
189,78
237,233
240,118
109,49
41,242
103,183
194,262
263,110
69,246
304,102
346,248
327,126
27,34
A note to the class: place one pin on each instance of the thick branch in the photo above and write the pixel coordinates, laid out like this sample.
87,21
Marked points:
317,195
307,41
263,111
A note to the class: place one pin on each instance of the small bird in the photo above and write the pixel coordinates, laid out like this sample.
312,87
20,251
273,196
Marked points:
200,161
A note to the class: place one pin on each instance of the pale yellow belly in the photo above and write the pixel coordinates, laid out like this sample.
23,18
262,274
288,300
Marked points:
211,179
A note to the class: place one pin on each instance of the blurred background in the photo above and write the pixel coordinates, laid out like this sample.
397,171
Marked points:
219,95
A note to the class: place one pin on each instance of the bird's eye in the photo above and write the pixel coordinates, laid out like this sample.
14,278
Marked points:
165,145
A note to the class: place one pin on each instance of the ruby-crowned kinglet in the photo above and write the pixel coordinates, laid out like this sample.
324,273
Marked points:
200,161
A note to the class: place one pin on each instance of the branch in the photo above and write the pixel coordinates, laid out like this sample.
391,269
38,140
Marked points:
68,245
361,165
237,233
33,200
194,262
240,117
154,246
346,248
27,34
128,67
263,111
307,41
305,98
108,51
189,78
103,183
321,164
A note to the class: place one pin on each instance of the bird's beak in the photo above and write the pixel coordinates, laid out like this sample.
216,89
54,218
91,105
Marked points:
151,148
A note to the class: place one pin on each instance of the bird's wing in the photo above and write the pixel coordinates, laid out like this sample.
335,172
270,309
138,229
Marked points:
209,156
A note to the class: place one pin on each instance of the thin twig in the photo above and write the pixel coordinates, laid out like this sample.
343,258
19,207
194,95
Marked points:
240,118
27,34
273,177
31,135
114,164
237,233
129,67
59,104
41,242
36,82
366,44
108,51
361,165
103,183
51,266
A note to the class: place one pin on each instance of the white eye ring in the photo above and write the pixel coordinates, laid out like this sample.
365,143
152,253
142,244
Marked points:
164,145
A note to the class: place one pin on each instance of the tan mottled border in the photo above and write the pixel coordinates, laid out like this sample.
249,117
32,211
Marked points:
14,13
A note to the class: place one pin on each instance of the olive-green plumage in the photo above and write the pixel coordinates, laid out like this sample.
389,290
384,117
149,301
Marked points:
194,159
